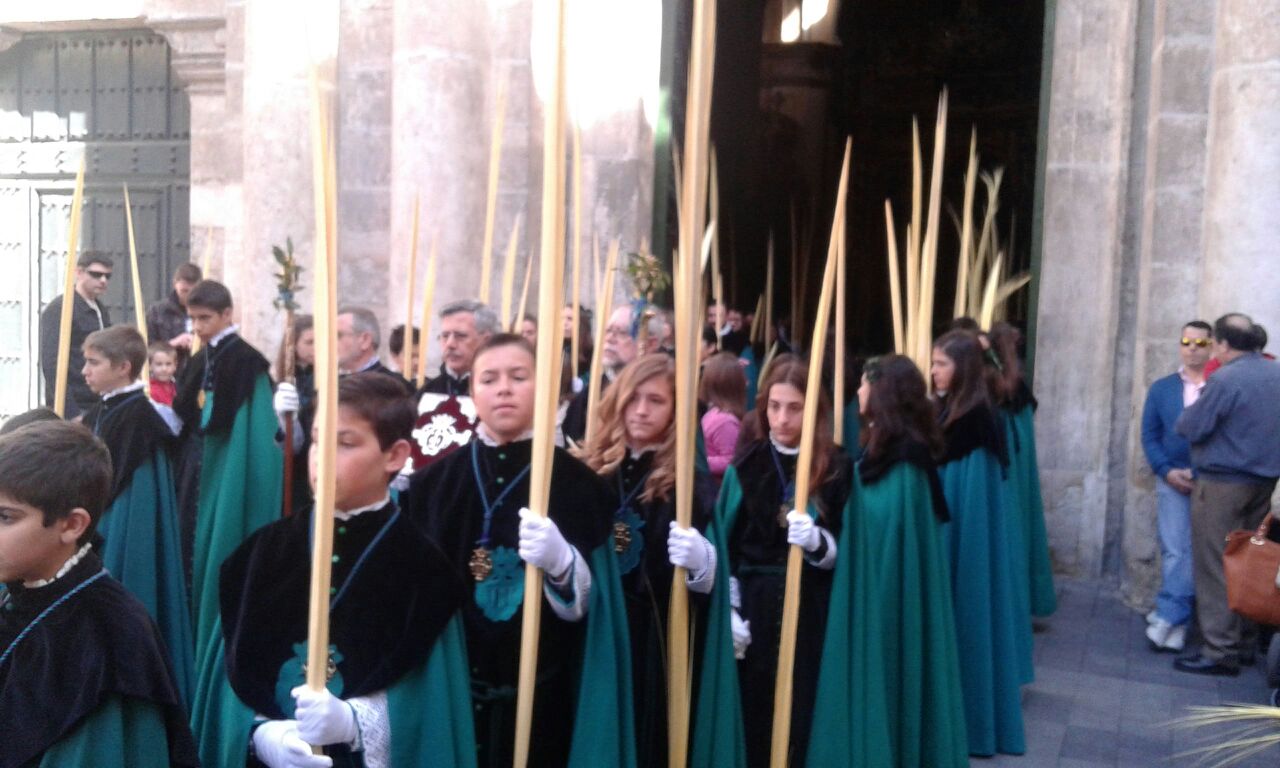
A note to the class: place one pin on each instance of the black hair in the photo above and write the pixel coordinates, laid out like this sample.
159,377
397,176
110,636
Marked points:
1237,331
89,258
29,417
56,466
1199,325
395,340
209,294
381,401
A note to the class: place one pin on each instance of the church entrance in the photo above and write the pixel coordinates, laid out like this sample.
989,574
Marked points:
111,97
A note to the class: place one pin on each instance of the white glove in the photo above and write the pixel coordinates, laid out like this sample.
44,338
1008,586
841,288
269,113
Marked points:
285,400
687,549
542,545
801,531
323,718
277,743
741,634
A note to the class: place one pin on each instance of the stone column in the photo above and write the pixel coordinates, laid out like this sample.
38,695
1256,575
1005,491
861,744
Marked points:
1171,208
1084,199
1241,267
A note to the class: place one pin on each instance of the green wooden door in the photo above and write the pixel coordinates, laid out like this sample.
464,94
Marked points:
111,98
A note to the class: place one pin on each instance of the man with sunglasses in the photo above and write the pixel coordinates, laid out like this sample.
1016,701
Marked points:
93,274
1170,459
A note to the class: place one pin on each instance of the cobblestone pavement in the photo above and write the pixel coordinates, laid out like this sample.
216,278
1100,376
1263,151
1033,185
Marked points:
1101,698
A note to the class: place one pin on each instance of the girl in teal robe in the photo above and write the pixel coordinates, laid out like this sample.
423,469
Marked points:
889,693
983,542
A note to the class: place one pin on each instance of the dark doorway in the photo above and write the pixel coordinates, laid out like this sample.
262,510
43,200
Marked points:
782,109
111,97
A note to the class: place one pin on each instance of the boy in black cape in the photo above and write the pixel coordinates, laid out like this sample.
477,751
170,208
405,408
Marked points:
84,677
393,593
473,503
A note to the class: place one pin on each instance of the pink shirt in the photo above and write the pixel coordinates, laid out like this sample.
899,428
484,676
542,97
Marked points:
720,433
1190,389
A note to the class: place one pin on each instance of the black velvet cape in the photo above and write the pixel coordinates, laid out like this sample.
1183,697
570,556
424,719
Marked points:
383,626
231,371
133,432
444,500
99,643
977,428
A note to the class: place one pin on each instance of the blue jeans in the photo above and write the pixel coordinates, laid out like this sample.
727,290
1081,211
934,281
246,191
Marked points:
1176,599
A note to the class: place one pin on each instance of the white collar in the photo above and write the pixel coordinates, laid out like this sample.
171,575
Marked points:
784,450
1182,374
134,387
455,376
224,333
67,566
350,513
489,440
636,453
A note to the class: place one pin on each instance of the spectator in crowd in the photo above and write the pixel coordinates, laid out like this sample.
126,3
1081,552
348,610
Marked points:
1170,458
167,321
1235,456
93,271
723,389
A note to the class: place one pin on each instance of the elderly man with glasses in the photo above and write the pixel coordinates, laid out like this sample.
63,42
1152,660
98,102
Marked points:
93,273
1169,455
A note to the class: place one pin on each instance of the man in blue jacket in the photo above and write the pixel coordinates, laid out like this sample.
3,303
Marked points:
1170,458
1235,452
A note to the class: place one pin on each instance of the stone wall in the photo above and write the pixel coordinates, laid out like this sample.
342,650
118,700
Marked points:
416,94
1161,198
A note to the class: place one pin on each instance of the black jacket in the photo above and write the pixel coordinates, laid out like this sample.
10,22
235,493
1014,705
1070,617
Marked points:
84,321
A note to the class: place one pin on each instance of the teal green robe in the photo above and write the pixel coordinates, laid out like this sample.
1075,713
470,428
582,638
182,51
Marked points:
240,491
992,623
1024,478
121,733
889,693
143,551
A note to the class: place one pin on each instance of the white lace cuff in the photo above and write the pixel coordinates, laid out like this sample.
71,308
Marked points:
569,598
373,729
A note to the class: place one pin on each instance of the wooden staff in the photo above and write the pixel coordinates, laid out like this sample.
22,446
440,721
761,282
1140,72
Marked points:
509,270
966,229
491,204
804,462
895,290
550,344
768,297
689,321
524,295
575,335
428,296
68,297
325,312
605,307
837,362
139,308
411,294
287,287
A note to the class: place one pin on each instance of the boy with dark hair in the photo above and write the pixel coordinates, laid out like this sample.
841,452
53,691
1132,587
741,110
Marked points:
393,593
473,503
142,545
224,400
84,677
93,271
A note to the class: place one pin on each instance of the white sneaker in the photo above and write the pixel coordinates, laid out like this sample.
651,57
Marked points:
1165,637
1153,617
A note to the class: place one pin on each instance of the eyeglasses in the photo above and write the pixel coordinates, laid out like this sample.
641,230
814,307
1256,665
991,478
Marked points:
459,336
1202,343
96,275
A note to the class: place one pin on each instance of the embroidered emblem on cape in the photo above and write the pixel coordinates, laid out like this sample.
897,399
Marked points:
628,540
445,423
293,672
500,595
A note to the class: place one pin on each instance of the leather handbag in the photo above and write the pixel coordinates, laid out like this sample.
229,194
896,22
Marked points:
1251,563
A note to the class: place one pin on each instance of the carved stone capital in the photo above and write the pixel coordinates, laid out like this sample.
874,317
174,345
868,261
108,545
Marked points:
199,50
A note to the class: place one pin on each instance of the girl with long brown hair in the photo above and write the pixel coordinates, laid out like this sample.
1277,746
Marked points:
993,625
634,448
890,692
756,514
